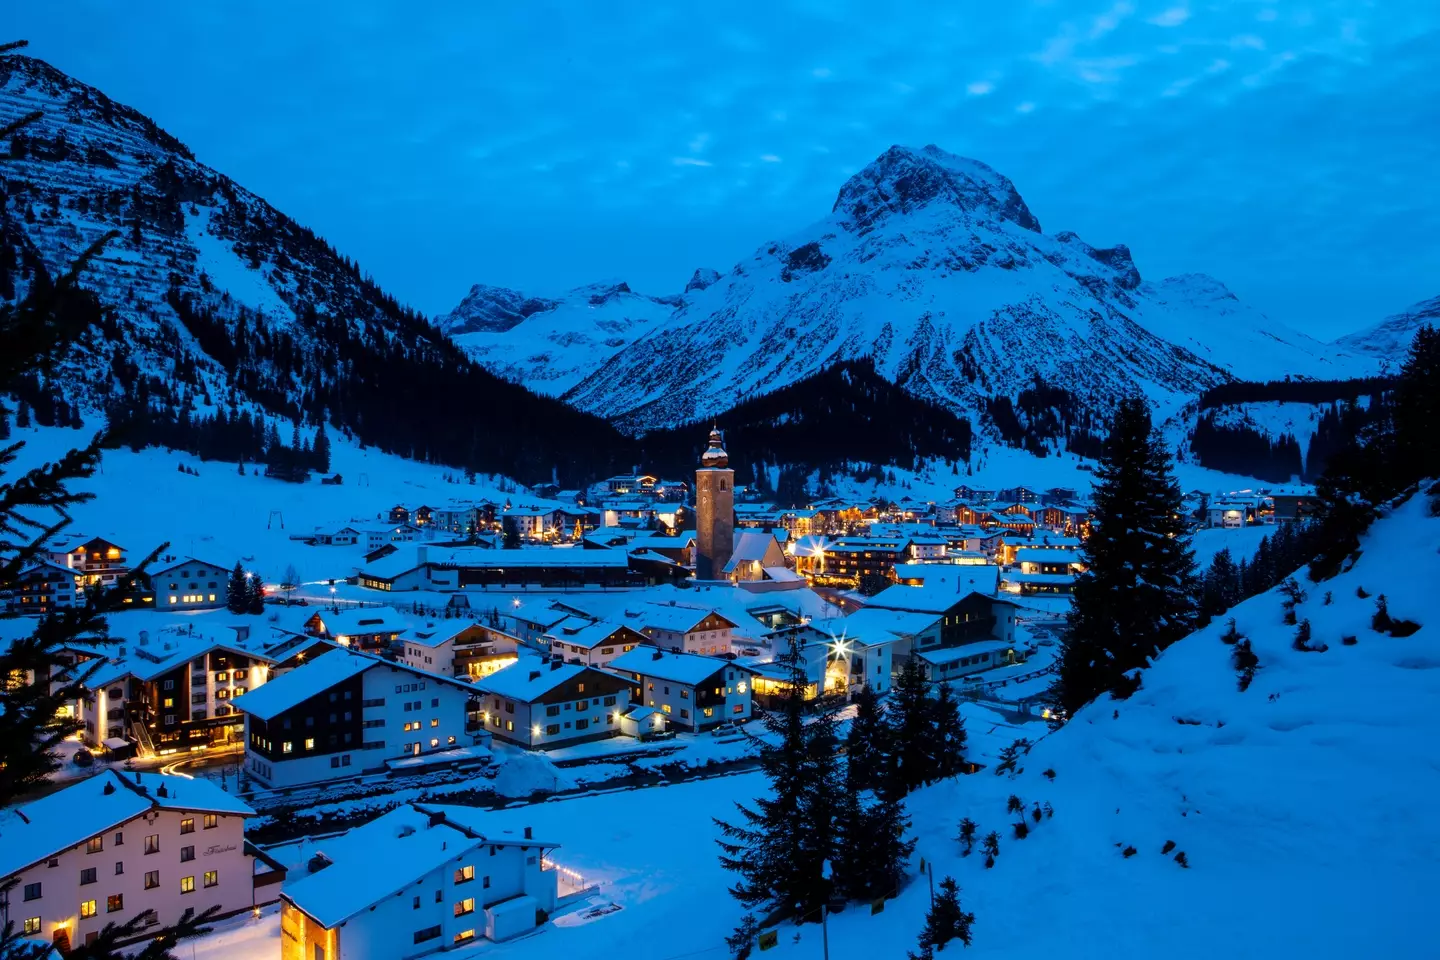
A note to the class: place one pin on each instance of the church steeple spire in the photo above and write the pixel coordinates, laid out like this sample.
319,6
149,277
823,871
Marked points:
715,455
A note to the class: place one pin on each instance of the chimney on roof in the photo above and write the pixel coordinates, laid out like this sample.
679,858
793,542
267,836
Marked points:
162,791
556,664
109,788
529,833
535,674
436,818
657,655
318,862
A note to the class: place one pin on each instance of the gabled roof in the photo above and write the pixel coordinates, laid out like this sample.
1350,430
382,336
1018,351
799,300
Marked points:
530,678
687,668
294,687
36,831
180,563
676,618
370,863
582,634
941,592
367,620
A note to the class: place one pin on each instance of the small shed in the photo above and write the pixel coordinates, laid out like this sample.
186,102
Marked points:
642,721
510,918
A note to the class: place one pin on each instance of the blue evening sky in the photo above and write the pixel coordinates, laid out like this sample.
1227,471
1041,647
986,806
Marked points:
1289,148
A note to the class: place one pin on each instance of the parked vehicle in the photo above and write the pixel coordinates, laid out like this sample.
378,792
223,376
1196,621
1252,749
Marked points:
750,652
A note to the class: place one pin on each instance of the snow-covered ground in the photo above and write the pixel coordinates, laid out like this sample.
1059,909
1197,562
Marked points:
1240,541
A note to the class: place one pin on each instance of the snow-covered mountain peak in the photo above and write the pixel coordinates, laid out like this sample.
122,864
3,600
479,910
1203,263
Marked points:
1390,338
488,309
701,278
902,180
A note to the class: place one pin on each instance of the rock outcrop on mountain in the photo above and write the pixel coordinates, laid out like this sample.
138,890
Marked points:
1390,339
934,267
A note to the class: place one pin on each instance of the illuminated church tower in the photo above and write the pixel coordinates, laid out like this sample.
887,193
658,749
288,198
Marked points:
714,511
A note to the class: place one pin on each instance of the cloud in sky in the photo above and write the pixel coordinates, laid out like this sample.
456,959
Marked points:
1287,148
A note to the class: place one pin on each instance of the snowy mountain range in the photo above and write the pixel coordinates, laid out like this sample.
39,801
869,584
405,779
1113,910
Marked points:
934,266
1390,338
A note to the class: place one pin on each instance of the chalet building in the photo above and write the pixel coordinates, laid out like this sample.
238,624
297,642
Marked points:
1294,503
1043,570
1019,494
847,654
933,547
687,629
99,561
418,880
848,560
1059,496
175,692
478,568
753,554
110,847
399,514
369,629
593,642
693,692
44,587
189,584
345,713
459,648
976,628
545,703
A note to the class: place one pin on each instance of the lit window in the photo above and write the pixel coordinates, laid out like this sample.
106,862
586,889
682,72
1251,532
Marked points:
465,906
187,825
187,884
152,879
287,747
32,926
115,903
212,877
309,743
87,908
211,821
95,845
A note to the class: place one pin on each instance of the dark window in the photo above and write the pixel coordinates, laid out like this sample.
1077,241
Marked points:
87,876
32,891
429,933
152,879
187,854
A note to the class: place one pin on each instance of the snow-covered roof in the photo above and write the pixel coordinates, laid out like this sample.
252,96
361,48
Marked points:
365,620
782,575
158,571
375,861
35,831
1046,555
585,634
951,654
530,678
294,687
679,619
688,668
941,592
873,627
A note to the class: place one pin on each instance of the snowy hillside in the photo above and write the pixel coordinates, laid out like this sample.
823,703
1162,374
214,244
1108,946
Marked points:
210,296
1303,806
1390,339
934,266
552,345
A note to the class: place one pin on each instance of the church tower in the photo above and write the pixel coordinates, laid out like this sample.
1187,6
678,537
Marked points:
714,511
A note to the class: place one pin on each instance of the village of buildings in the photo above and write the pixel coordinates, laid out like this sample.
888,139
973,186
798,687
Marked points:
640,617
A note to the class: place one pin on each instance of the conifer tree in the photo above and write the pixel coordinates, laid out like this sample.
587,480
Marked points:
1137,595
320,453
781,843
871,849
237,591
22,415
946,920
1221,585
949,734
254,594
912,722
868,744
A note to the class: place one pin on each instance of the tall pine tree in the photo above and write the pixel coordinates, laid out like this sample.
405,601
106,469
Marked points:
868,744
782,841
237,590
1137,595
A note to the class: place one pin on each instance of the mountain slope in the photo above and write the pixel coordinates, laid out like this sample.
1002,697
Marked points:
934,266
552,345
212,298
1390,339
